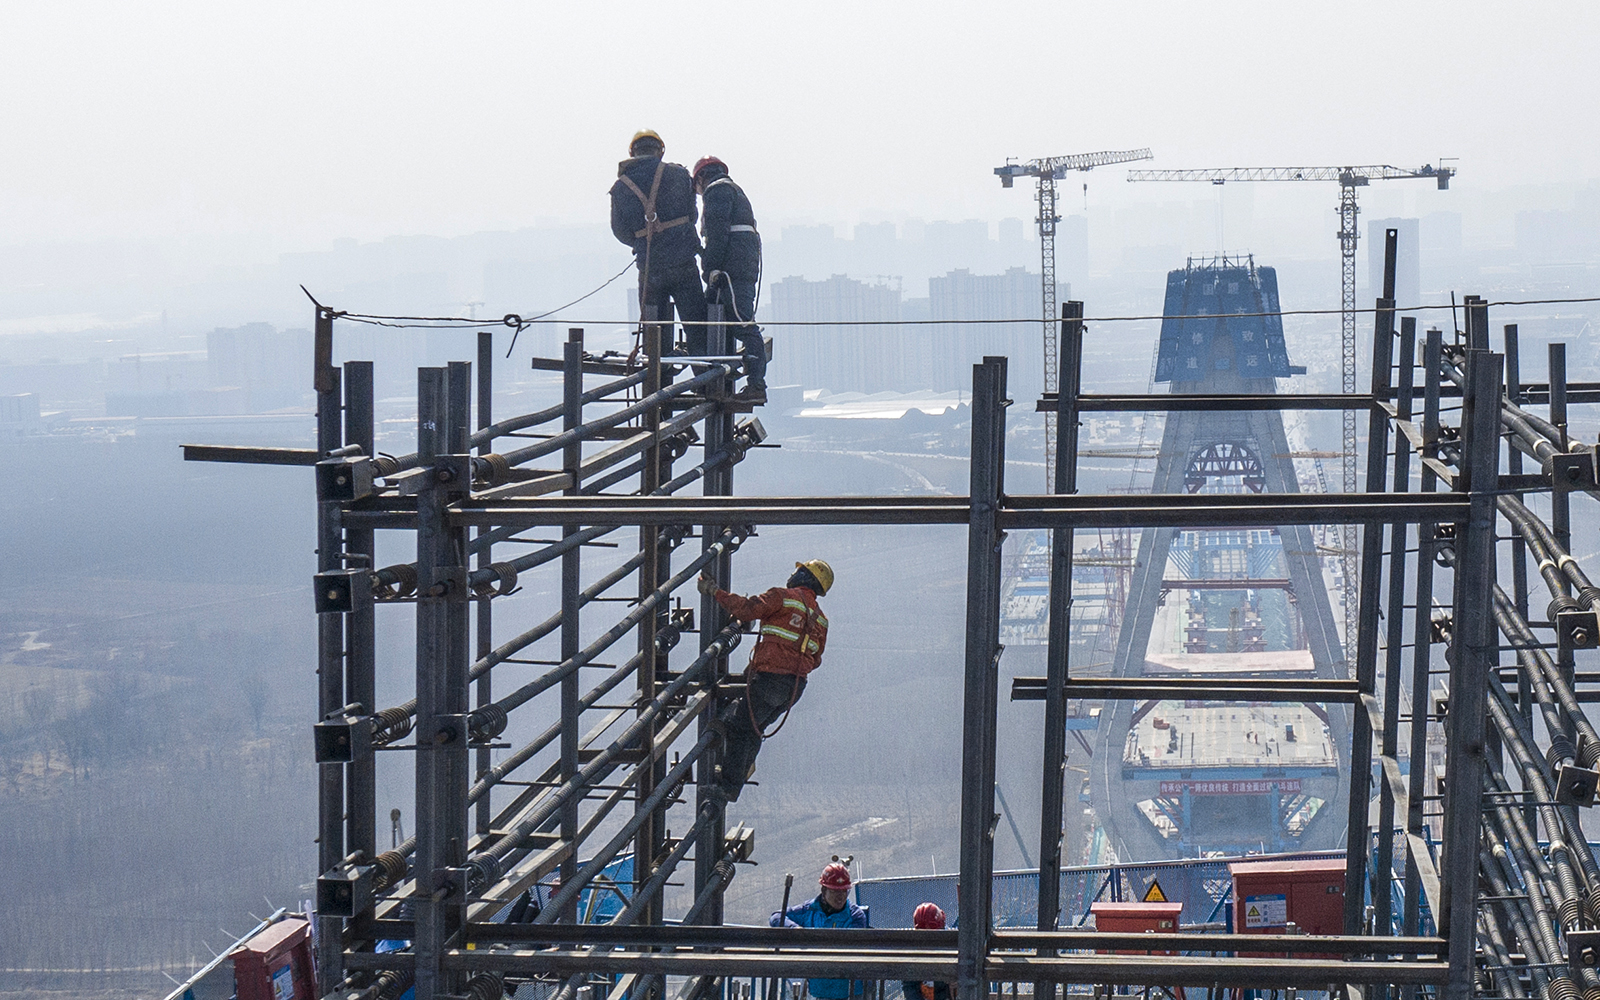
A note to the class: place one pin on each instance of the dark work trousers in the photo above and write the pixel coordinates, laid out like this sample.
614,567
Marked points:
767,696
679,285
741,305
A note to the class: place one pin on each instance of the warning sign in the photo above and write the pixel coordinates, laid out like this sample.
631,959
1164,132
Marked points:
1154,893
1266,911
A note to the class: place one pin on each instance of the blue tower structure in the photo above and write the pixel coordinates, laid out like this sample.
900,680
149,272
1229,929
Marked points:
1222,316
1186,778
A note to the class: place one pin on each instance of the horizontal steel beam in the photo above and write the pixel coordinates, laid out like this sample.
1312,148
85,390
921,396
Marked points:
1273,689
1017,512
249,455
930,942
1167,402
1168,970
1222,583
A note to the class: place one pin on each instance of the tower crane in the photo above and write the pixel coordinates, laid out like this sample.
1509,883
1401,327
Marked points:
1349,178
1048,171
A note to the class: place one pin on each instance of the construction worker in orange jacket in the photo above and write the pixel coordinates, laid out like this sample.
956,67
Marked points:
793,634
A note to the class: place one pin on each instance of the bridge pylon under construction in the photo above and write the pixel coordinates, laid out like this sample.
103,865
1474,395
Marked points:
1191,778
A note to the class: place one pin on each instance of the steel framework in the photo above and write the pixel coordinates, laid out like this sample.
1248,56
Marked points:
1520,756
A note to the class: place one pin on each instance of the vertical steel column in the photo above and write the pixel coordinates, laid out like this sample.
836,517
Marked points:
484,693
1422,639
441,803
979,696
716,482
1519,546
1057,667
1560,505
645,844
361,638
1473,653
1359,835
1561,500
1393,654
330,648
457,762
571,606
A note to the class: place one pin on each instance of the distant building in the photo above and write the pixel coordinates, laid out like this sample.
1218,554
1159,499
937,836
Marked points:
845,355
950,351
1408,262
936,355
267,363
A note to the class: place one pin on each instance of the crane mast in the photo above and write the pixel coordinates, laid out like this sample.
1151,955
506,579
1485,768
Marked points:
1048,171
1349,179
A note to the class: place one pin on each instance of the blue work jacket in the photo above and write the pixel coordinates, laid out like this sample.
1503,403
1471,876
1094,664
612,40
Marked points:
811,915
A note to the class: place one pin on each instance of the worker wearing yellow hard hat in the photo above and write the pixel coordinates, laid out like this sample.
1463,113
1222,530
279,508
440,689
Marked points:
653,212
794,632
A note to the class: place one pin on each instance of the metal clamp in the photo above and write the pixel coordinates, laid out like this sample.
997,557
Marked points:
1583,950
343,740
1572,471
346,892
343,591
342,480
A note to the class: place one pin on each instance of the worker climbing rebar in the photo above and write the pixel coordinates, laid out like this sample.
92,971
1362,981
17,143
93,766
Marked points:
731,265
653,212
793,634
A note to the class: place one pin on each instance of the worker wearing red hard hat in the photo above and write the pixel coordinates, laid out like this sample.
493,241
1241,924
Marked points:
831,908
653,212
927,917
731,266
794,633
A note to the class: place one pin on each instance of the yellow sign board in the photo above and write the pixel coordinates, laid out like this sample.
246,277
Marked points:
1154,893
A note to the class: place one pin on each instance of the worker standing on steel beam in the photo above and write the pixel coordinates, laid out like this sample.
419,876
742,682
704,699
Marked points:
831,908
794,633
731,265
927,917
653,212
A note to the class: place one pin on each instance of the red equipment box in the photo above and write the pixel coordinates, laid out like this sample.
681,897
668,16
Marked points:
1134,918
276,964
1270,895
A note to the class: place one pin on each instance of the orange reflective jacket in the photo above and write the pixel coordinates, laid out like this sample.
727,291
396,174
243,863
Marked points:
794,630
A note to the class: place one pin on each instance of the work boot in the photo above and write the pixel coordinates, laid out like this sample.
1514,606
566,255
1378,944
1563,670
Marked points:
755,395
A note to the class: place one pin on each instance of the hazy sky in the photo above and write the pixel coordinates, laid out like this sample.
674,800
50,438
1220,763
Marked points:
308,121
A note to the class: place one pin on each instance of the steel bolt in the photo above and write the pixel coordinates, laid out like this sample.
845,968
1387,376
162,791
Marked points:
444,475
1589,957
342,480
333,594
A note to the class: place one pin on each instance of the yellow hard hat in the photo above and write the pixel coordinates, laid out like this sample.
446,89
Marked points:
647,133
820,570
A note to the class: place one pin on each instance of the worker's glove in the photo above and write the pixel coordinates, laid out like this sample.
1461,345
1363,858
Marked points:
706,585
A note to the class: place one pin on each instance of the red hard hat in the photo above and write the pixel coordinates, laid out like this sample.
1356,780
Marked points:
835,876
928,917
708,161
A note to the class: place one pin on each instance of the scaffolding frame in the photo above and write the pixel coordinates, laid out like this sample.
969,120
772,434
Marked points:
467,861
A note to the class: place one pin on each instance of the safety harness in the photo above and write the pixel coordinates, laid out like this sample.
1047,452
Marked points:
807,646
652,225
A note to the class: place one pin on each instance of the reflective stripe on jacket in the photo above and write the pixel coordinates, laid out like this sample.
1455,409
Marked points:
794,631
